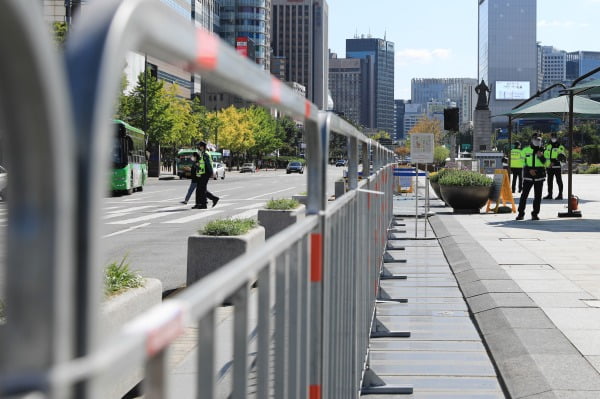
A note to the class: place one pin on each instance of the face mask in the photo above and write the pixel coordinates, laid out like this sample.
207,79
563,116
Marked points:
536,142
553,140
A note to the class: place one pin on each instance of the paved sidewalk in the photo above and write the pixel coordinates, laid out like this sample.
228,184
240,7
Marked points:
534,289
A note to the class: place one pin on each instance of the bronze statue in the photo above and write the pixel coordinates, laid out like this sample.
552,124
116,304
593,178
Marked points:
483,100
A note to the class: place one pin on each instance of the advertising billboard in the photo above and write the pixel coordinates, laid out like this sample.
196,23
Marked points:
512,90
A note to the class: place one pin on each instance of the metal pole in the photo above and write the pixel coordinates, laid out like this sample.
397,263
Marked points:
416,197
570,177
426,201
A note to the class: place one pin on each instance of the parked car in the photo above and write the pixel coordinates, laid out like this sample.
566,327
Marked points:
218,170
294,167
248,167
3,183
340,162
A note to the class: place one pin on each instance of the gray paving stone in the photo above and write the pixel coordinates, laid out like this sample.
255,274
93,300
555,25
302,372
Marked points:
493,320
493,273
522,376
568,372
485,302
489,286
436,346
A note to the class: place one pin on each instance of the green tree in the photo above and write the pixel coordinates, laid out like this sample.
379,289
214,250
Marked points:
184,131
267,138
440,153
60,30
291,135
382,134
159,120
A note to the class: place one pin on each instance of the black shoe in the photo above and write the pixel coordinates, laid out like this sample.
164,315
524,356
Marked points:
199,207
559,197
183,202
215,201
534,217
549,196
520,216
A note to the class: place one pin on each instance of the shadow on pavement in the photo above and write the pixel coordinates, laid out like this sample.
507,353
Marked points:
575,225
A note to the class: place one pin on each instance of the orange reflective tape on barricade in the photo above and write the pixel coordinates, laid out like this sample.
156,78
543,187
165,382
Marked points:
276,90
307,109
207,47
316,258
314,392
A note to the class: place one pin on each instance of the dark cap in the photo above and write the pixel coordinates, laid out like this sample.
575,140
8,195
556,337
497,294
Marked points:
553,134
536,135
201,144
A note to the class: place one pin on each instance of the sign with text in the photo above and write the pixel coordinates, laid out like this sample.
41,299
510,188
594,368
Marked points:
421,147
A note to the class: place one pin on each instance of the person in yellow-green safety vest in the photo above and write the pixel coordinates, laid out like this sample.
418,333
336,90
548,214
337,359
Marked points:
534,174
555,154
516,166
204,172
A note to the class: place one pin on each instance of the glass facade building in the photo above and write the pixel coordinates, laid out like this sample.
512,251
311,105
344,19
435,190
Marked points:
251,19
507,52
381,52
581,62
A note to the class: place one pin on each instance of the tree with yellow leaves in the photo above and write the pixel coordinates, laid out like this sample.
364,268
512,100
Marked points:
427,125
235,131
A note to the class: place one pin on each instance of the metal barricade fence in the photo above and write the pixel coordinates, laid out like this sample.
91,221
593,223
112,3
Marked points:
316,281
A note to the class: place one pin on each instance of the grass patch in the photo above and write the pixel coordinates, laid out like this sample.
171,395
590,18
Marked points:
118,278
228,227
282,204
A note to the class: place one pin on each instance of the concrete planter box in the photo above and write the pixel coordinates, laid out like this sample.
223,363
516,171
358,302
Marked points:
207,253
120,309
300,198
275,220
340,188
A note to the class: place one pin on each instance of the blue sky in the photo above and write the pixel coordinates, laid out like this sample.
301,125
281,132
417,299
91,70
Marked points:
438,38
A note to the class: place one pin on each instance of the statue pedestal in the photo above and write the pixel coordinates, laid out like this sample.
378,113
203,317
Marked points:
482,134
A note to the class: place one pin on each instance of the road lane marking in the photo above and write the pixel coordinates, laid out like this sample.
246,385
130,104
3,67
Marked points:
116,233
274,192
200,215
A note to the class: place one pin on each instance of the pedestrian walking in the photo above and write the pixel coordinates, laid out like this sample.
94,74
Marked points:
193,177
516,166
534,174
555,154
203,173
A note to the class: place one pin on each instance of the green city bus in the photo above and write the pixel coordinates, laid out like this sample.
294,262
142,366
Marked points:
130,168
184,160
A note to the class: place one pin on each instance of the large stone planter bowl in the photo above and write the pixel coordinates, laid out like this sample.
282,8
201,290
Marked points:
436,189
465,199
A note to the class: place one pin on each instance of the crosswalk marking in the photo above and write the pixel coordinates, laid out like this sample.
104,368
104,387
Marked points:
274,192
116,233
161,212
122,212
199,215
259,205
244,215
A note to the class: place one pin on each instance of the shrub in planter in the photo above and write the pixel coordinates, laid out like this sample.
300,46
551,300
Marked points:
279,214
220,242
464,190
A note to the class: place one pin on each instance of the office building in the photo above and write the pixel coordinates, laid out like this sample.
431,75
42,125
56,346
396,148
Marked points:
444,90
507,53
345,84
399,110
251,19
413,113
299,33
380,53
554,69
581,62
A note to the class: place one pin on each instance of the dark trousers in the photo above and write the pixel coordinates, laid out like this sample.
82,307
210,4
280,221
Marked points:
517,173
537,195
202,193
556,172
